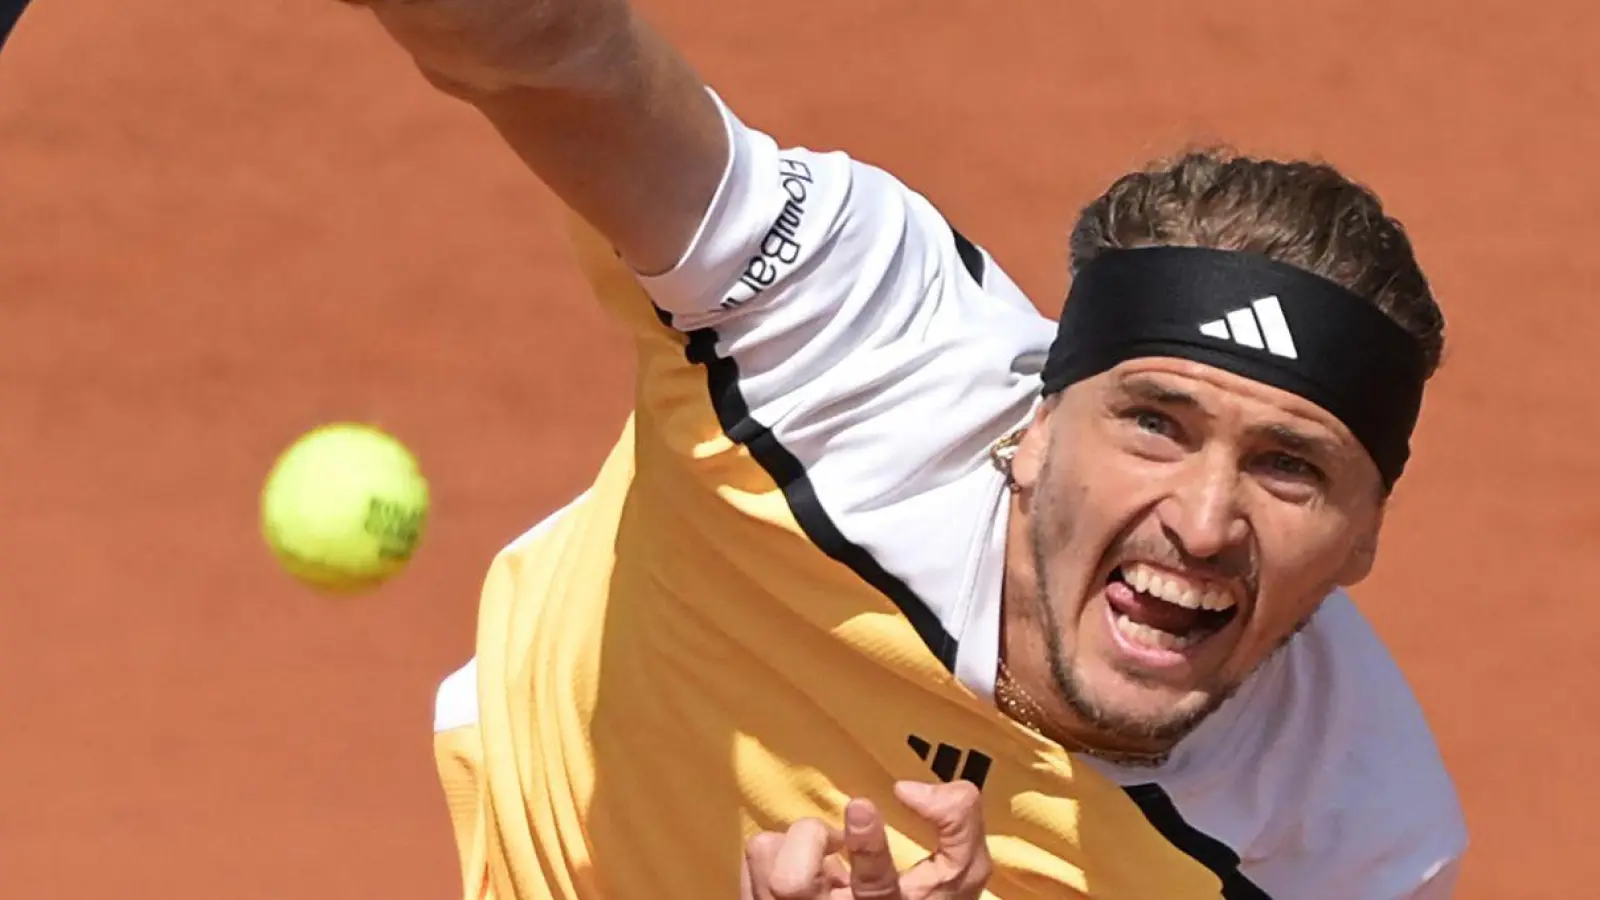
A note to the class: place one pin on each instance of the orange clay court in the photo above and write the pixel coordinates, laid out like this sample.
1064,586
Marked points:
223,223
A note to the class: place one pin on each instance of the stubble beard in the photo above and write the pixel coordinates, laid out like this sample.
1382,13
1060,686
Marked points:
1165,729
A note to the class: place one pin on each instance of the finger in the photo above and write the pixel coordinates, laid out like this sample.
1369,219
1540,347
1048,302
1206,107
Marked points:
747,887
872,872
961,859
954,809
796,872
835,874
760,853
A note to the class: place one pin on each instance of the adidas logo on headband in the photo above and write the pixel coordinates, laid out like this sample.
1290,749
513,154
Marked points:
1260,325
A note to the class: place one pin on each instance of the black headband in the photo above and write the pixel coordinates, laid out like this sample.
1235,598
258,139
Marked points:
1253,316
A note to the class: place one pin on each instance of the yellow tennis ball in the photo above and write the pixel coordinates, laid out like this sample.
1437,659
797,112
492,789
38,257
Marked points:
344,507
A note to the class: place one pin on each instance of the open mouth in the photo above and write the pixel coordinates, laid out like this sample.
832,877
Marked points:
1159,610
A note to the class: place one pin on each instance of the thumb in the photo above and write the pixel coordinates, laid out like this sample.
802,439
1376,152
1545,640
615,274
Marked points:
956,811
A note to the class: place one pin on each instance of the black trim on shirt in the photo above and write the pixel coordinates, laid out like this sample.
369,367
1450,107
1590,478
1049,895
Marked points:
722,376
1158,807
10,14
971,256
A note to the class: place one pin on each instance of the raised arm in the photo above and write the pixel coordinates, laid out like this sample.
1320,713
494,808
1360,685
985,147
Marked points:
592,99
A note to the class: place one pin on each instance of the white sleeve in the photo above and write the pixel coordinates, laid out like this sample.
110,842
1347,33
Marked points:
807,260
794,225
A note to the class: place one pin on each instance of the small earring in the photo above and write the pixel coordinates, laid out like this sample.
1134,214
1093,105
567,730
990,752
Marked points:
1004,453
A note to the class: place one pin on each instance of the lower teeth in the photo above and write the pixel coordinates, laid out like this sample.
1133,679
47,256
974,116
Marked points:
1152,637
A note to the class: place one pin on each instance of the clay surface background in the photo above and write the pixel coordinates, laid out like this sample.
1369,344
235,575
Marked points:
224,223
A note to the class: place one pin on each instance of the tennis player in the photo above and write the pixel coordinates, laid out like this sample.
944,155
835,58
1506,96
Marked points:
892,587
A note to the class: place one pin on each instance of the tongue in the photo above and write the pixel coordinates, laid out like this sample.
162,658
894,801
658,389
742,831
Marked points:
1147,610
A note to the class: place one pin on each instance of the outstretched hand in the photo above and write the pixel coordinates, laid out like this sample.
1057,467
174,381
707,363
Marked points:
814,862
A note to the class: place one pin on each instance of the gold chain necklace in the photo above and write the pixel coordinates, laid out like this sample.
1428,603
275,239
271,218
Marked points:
1017,703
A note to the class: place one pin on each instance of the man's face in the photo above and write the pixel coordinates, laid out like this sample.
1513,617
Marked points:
1183,523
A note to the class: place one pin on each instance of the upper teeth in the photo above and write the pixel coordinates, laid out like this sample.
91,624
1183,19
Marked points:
1176,589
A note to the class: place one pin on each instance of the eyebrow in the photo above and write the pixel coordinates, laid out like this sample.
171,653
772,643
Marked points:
1297,441
1152,391
1292,439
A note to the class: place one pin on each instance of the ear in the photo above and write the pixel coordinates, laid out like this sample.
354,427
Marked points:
1359,565
1028,461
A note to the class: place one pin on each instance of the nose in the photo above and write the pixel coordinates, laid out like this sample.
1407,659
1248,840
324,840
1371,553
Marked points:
1204,513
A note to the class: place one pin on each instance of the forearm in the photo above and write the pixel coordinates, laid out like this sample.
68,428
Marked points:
483,46
590,97
672,115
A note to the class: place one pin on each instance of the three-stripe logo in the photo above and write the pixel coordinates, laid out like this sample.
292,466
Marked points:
1260,325
947,761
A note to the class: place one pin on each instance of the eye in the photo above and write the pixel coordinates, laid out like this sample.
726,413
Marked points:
1152,421
1290,466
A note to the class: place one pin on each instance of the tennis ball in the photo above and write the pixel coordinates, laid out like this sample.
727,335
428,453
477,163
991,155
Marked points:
344,507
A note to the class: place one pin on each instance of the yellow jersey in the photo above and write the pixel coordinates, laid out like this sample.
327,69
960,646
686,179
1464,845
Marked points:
782,589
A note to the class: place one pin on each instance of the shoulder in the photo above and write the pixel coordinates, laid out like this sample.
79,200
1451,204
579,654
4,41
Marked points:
1340,668
1350,744
1321,775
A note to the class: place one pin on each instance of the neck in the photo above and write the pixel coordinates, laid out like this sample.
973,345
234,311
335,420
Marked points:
1026,687
1027,692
